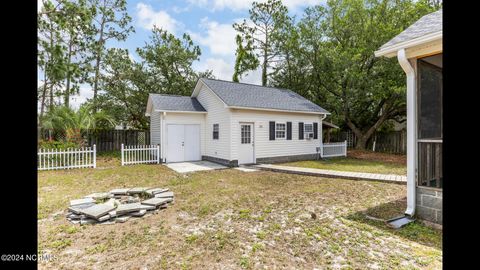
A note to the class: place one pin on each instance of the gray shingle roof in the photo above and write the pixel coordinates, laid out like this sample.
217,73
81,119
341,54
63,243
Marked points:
255,96
429,23
176,103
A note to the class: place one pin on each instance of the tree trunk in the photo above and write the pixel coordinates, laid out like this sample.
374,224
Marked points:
361,143
264,68
97,64
67,86
265,60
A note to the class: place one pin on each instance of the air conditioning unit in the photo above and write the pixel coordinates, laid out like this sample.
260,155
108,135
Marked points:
308,135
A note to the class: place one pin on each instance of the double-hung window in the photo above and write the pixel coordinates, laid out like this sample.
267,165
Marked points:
280,130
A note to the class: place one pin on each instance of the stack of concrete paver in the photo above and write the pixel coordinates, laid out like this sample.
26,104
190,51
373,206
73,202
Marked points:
118,205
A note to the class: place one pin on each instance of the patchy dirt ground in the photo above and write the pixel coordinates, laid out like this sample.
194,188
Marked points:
377,156
230,219
358,161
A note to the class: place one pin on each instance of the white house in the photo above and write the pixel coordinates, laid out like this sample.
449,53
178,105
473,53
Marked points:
235,123
419,51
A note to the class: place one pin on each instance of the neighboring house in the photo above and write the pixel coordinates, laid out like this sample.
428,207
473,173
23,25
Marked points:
419,52
235,123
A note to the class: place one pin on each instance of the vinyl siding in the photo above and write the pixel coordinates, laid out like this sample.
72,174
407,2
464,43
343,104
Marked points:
278,147
155,128
217,114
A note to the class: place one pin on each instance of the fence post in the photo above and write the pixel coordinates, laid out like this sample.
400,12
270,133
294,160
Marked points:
158,153
345,148
122,154
94,156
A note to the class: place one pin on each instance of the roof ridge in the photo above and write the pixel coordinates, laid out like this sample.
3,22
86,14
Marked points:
272,87
169,95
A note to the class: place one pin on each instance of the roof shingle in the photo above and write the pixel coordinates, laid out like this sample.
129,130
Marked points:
429,23
256,96
176,103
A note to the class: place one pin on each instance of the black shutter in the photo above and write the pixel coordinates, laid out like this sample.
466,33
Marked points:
272,130
300,131
315,130
289,130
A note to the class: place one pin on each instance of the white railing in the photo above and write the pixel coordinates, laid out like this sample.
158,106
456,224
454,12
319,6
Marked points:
338,149
56,159
138,154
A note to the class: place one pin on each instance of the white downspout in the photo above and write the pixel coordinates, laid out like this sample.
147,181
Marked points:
321,134
411,131
163,134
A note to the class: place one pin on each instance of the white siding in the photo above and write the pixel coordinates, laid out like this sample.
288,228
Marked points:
217,114
186,119
278,147
155,128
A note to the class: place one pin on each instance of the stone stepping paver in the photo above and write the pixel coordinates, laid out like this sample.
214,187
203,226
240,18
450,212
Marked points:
167,194
82,201
118,205
393,178
156,201
98,210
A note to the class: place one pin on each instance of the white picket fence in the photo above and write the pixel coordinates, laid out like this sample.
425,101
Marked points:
337,149
57,159
138,154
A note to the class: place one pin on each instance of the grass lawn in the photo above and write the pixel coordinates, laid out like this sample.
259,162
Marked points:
357,161
233,219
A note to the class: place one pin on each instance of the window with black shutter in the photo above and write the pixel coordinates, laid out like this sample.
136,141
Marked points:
289,130
300,130
315,130
215,131
272,130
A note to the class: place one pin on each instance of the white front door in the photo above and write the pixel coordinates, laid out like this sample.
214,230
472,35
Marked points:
245,150
183,143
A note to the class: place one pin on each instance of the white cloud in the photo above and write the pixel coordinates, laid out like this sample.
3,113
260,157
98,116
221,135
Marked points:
237,5
221,68
85,93
148,17
219,38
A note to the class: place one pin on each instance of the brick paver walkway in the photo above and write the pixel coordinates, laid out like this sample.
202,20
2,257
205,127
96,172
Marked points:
400,179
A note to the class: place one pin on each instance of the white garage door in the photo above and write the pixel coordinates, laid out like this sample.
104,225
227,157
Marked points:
183,143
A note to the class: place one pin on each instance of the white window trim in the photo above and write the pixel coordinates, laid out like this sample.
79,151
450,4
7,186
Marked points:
305,132
285,131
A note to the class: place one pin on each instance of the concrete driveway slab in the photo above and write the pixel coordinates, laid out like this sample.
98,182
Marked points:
194,166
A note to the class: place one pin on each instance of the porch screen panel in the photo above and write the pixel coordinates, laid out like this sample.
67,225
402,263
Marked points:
430,105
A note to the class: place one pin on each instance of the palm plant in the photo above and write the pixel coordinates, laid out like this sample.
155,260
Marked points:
73,122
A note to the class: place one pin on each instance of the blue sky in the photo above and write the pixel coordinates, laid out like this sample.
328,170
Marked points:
208,22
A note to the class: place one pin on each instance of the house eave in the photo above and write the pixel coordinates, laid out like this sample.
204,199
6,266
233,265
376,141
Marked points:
172,111
275,110
391,51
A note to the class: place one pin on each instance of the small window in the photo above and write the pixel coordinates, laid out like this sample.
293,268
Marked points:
215,131
280,130
307,128
308,131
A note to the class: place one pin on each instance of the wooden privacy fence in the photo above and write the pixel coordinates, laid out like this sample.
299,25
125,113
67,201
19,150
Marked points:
138,154
392,142
105,139
338,149
55,159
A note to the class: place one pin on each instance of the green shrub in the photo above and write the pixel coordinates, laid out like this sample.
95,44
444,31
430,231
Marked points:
50,144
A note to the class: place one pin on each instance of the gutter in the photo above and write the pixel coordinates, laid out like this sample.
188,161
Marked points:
411,127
